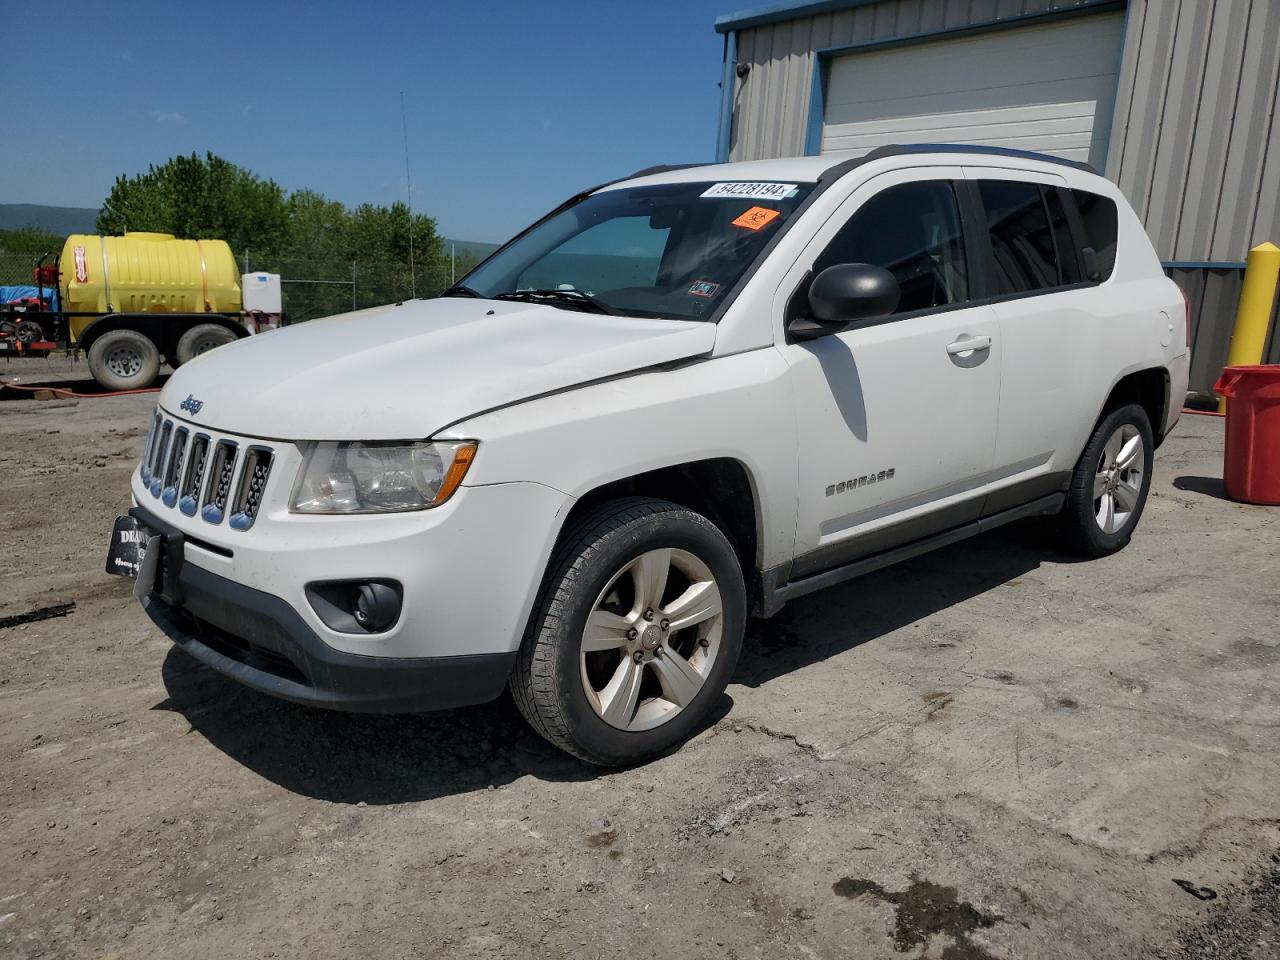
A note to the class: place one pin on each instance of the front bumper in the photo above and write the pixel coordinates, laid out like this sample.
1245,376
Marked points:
261,641
469,569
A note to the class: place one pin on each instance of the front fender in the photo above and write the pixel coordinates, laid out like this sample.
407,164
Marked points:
736,407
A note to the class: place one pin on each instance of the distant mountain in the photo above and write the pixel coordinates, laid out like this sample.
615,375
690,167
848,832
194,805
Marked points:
59,220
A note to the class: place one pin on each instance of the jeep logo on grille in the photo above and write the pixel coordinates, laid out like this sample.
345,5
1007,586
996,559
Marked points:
192,405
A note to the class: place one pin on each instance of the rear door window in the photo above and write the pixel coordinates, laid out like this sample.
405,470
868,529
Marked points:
1023,244
1063,241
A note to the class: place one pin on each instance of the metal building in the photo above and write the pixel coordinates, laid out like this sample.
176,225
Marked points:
1173,100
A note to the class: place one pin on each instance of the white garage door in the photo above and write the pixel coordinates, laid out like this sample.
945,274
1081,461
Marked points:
1049,87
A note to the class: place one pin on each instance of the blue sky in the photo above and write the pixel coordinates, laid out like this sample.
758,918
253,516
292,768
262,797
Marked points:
511,106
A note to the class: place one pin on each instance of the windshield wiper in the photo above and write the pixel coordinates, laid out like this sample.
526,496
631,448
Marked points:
576,298
461,290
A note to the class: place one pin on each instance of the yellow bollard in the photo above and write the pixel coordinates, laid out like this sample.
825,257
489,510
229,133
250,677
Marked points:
1253,316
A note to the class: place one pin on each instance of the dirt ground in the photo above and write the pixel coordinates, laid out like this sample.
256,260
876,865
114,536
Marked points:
991,752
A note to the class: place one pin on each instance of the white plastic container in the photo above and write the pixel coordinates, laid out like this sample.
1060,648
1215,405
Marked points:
261,292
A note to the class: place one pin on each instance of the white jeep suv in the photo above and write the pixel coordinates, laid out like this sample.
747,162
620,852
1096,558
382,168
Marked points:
677,400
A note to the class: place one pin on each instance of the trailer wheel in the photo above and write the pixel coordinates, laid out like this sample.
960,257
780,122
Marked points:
124,360
202,338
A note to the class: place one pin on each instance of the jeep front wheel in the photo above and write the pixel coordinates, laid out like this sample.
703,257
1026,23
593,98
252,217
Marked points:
635,635
124,360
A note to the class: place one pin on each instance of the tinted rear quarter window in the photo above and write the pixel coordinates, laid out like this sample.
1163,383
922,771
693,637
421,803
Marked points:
1098,218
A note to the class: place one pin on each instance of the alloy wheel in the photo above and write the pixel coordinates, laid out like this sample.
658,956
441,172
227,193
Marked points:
1117,483
651,639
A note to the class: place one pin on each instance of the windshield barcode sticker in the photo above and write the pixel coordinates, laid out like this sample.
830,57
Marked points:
753,191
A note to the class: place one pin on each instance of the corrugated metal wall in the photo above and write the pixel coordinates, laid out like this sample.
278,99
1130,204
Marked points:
1195,144
771,105
1214,295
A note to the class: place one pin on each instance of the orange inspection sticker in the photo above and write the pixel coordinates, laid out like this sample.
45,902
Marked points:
756,217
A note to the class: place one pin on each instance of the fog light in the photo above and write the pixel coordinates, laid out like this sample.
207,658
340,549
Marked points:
357,606
375,606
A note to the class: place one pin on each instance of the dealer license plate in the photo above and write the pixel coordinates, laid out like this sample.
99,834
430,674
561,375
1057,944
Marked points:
134,553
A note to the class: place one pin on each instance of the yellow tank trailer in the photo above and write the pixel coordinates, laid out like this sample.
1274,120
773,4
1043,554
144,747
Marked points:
131,300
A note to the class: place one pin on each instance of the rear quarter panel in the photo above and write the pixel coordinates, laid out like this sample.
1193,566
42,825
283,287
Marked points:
1133,321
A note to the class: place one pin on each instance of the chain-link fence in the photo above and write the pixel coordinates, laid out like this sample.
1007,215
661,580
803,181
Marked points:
310,287
17,268
320,288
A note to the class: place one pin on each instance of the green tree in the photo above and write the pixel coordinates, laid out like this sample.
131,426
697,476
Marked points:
460,265
318,229
30,240
382,234
304,237
19,250
194,197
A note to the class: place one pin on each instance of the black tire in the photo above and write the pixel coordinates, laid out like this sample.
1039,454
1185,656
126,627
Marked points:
547,680
1078,523
202,338
124,360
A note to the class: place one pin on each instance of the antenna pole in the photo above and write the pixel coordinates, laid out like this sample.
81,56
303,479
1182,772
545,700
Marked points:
408,189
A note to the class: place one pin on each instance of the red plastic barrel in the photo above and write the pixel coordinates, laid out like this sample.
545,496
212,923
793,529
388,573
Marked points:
1251,462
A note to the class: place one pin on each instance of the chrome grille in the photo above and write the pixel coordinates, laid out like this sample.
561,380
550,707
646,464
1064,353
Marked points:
158,455
253,480
202,473
189,488
148,447
172,472
221,472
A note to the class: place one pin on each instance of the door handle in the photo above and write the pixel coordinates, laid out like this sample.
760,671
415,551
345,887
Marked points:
968,344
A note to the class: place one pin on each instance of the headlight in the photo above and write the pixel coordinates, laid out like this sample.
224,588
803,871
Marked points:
379,477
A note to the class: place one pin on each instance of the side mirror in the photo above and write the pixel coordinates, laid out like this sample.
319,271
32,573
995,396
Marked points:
849,292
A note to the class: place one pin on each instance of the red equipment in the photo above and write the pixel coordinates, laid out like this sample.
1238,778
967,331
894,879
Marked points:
1251,461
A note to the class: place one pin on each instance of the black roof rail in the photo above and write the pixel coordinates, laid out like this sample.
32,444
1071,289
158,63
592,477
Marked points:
901,149
893,150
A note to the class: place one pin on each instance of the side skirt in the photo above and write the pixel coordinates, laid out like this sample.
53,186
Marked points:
776,590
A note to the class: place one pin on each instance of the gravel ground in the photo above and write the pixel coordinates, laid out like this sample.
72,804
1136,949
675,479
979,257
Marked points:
994,751
1246,927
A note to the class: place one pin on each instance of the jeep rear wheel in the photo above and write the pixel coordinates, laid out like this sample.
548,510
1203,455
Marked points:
1109,485
635,635
124,360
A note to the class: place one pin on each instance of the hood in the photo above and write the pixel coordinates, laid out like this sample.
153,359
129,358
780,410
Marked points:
405,371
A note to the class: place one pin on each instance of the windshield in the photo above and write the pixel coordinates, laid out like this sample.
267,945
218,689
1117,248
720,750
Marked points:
672,251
